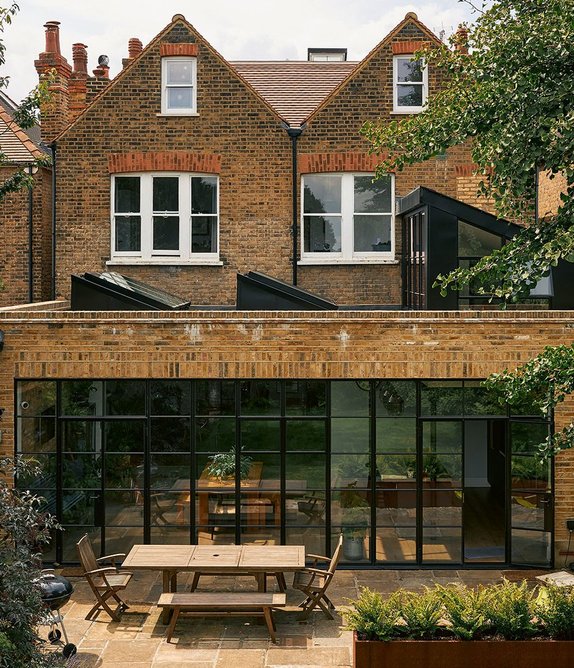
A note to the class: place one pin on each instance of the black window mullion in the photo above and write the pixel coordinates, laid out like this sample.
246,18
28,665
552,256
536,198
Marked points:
418,478
238,445
147,465
328,496
373,470
193,464
282,461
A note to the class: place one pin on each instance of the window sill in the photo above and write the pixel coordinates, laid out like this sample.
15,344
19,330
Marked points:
306,262
177,114
402,112
163,262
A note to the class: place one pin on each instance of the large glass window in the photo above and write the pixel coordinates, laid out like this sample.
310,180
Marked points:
159,218
407,471
347,217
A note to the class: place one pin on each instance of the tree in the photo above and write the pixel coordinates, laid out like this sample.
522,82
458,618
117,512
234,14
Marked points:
23,530
508,94
25,117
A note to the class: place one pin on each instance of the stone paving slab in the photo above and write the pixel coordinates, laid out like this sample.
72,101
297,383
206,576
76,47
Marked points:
138,640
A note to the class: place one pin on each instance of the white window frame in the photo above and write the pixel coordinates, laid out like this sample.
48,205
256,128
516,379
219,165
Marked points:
348,255
146,254
179,111
397,109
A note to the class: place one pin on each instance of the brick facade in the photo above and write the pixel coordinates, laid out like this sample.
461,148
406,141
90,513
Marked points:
339,345
14,232
249,140
549,191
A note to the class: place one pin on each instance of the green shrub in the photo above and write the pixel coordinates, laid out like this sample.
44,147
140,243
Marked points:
510,610
373,616
464,610
421,613
554,607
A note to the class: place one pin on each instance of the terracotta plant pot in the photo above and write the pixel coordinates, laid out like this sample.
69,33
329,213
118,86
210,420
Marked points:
462,654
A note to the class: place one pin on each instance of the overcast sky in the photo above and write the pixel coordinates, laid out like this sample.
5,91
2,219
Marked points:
238,29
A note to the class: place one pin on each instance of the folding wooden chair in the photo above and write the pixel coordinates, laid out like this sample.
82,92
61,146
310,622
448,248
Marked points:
104,581
313,582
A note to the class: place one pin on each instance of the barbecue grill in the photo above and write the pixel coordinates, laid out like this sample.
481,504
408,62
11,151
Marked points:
56,591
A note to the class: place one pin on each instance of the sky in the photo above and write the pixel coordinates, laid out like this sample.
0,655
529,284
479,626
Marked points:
238,29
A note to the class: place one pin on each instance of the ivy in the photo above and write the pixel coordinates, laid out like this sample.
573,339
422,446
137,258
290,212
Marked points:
509,99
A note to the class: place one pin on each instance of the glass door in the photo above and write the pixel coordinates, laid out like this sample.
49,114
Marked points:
531,511
484,507
440,490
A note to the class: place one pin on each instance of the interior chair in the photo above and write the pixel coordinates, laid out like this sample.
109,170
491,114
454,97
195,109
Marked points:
160,505
314,582
104,581
313,506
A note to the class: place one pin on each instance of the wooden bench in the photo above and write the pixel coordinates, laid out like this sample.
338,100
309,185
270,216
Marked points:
217,603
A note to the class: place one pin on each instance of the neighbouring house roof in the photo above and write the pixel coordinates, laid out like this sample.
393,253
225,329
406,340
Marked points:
294,88
8,104
15,145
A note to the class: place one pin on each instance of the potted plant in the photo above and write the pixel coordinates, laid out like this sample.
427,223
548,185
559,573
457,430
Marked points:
502,625
222,464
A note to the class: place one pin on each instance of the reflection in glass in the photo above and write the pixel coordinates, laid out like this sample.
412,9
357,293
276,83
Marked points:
306,468
215,397
36,397
396,435
442,437
125,397
322,194
260,435
372,196
215,434
170,397
441,398
350,470
260,397
478,400
306,435
527,436
82,397
371,233
305,397
168,470
350,398
37,435
322,234
170,434
396,398
475,242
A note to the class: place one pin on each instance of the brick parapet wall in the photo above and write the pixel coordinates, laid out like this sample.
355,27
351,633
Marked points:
331,345
549,191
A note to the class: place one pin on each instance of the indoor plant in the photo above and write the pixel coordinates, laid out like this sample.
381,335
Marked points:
222,464
501,625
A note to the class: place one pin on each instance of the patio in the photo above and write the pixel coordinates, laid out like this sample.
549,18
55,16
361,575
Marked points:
139,639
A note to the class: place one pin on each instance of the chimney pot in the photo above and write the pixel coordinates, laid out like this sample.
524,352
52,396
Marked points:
52,37
80,58
135,47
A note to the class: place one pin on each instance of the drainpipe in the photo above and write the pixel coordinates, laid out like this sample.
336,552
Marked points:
294,133
30,237
53,288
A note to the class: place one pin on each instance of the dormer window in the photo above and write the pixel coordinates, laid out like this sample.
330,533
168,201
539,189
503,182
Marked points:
178,86
410,85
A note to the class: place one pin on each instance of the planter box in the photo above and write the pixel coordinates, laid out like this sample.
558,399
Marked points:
462,654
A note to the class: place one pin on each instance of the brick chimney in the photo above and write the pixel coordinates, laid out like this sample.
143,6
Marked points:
78,80
135,47
461,39
100,80
55,113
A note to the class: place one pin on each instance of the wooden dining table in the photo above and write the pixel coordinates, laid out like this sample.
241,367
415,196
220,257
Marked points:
256,560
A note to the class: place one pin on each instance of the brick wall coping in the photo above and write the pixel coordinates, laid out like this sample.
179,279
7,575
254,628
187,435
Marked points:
438,317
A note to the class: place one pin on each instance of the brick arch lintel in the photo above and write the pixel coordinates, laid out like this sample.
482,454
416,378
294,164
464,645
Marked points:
164,161
313,163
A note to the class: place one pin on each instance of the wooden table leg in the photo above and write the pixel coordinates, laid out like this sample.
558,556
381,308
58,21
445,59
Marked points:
261,581
270,623
169,584
174,617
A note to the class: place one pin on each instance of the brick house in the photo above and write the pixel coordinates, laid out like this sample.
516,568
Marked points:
24,216
367,419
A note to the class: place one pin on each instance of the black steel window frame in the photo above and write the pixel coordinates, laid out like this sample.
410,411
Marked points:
283,417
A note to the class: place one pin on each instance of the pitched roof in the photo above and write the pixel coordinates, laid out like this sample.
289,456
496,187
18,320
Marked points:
10,107
15,144
294,88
